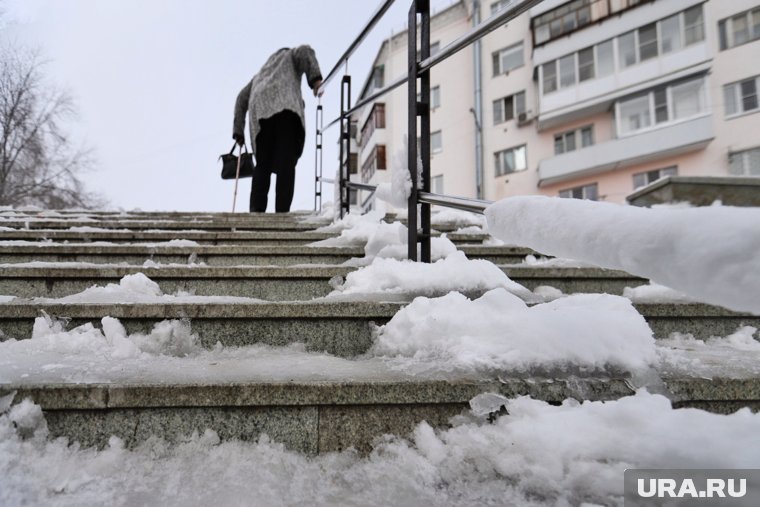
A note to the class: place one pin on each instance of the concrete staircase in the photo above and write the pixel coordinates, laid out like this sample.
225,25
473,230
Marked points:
266,257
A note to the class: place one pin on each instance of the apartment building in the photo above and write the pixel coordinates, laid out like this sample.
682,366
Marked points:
582,98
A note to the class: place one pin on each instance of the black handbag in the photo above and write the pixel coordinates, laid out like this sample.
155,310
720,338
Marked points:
230,164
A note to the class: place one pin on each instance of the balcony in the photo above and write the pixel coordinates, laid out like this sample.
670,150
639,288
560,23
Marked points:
596,95
653,144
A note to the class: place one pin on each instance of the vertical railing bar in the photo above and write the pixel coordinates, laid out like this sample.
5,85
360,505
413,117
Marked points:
317,150
345,144
412,129
423,7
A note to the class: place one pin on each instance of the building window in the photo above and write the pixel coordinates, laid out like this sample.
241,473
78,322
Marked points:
694,25
497,6
739,29
670,34
511,160
436,142
375,162
627,49
586,64
744,163
378,77
573,139
567,71
435,97
353,163
647,42
562,20
375,120
507,59
647,177
508,108
436,184
549,71
589,192
605,59
670,103
435,47
741,97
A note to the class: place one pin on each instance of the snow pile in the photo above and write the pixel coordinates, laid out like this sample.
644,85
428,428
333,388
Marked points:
51,340
453,273
138,288
655,293
538,455
457,218
543,262
733,356
499,332
708,253
397,192
379,238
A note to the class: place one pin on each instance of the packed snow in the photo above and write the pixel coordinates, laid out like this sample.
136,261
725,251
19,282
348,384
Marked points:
498,332
707,253
379,238
138,288
402,277
655,293
538,454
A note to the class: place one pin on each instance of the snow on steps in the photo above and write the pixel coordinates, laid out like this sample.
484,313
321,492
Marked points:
329,413
216,255
273,283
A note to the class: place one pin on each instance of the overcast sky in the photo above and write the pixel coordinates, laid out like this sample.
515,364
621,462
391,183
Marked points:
155,83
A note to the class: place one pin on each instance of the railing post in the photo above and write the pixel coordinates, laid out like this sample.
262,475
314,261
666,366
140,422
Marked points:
345,144
420,109
318,160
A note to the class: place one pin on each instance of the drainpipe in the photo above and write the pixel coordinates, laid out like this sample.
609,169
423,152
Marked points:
478,104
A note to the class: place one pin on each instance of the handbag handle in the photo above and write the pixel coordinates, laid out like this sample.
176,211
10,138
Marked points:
244,147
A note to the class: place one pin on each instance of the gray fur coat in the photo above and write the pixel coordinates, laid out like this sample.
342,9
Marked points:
277,87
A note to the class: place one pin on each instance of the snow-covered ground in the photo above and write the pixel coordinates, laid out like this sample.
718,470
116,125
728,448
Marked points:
537,454
574,454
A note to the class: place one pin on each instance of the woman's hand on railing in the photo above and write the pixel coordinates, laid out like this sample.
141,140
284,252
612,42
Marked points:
317,91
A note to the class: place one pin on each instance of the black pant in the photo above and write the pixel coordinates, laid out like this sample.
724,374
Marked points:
279,145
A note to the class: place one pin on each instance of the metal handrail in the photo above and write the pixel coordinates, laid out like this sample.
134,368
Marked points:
420,62
484,28
461,203
376,17
489,25
370,98
361,186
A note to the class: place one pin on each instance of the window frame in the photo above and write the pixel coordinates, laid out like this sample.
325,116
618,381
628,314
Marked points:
514,101
433,149
435,97
583,190
745,155
499,170
498,56
650,95
646,175
578,138
738,97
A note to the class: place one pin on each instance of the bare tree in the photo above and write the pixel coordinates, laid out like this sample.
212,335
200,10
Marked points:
38,163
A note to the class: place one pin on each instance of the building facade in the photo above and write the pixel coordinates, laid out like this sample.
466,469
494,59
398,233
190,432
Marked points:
582,98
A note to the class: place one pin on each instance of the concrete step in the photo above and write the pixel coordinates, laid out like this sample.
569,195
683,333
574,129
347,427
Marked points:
261,238
146,224
320,416
340,328
218,255
274,283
